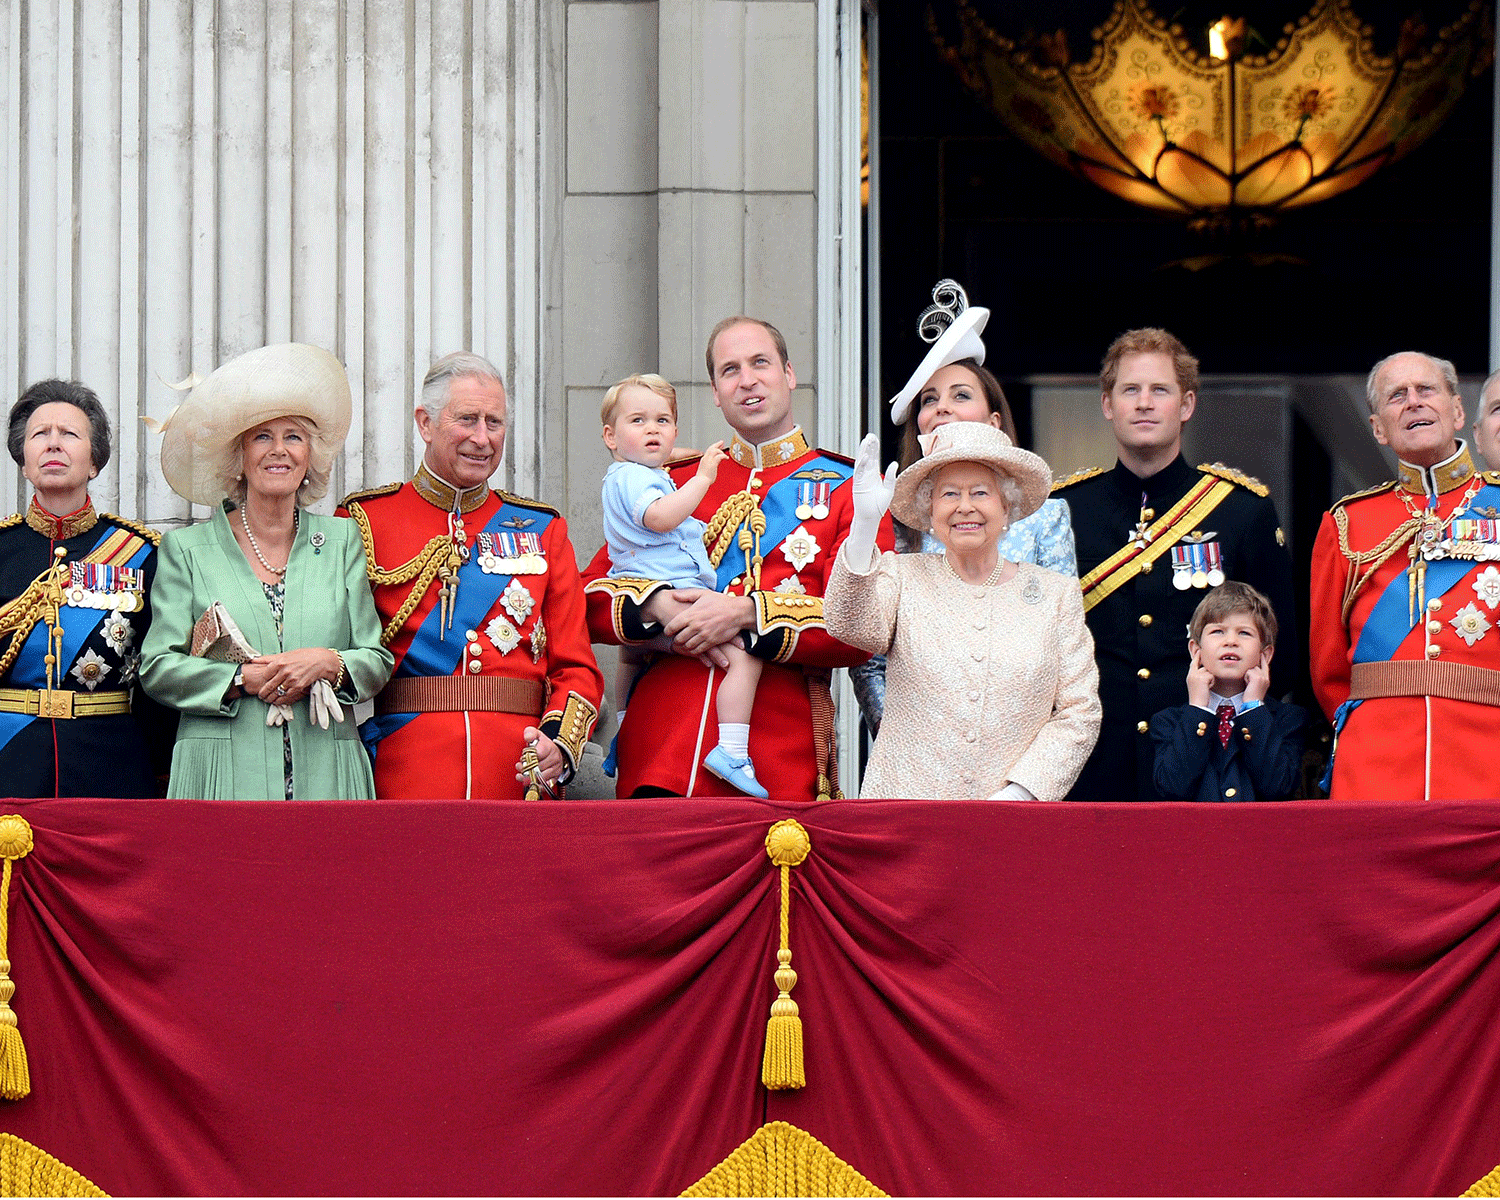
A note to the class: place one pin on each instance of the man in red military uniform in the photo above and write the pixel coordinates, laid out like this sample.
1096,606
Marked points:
483,607
1405,652
776,515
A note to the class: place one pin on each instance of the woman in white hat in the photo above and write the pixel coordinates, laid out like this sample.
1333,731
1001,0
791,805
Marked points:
256,441
951,385
992,688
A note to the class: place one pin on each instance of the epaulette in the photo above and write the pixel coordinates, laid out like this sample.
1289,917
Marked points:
843,458
383,489
1076,477
1377,490
1239,477
13,520
1491,477
151,535
526,502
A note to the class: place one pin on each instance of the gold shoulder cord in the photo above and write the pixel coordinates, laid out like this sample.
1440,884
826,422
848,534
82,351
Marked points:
41,601
423,567
1364,563
739,519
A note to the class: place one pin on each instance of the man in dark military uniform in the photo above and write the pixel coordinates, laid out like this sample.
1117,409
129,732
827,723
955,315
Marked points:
1153,535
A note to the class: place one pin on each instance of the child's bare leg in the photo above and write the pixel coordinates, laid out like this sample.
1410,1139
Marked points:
737,692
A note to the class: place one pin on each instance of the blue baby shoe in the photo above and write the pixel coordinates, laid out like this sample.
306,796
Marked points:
738,772
611,761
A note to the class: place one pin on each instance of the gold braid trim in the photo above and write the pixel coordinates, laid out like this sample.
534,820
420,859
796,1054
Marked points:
619,589
1076,477
26,1170
726,524
41,600
1235,476
12,520
776,610
779,1159
1368,560
576,719
424,568
151,535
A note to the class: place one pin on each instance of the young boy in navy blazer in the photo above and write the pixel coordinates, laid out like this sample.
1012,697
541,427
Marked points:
1229,741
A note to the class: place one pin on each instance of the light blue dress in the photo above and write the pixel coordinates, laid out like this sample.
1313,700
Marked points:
1044,538
676,556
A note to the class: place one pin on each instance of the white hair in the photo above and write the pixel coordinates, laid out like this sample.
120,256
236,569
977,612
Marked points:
440,376
1449,373
1009,488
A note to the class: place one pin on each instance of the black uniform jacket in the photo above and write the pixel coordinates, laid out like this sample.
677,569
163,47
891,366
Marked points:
114,754
1262,761
1140,630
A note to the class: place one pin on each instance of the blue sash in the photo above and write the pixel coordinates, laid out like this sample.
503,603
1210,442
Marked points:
430,653
779,504
1390,621
78,625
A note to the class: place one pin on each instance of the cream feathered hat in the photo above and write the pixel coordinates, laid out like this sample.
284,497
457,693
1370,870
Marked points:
288,380
953,328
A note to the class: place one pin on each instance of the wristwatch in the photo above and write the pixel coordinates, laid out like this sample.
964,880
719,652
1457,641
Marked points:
239,677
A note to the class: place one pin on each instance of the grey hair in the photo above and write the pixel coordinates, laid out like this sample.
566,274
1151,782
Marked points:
1490,381
314,486
440,377
1449,373
1009,488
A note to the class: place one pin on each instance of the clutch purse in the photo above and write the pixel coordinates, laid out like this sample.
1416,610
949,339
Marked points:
216,636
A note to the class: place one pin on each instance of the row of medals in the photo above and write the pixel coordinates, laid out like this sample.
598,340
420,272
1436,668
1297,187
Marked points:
122,601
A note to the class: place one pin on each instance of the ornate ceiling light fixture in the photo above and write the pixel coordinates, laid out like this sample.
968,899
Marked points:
1225,138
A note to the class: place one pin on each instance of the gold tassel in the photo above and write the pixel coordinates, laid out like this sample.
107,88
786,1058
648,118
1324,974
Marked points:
15,1072
787,846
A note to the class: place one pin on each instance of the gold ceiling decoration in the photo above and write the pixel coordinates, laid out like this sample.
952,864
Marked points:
1224,138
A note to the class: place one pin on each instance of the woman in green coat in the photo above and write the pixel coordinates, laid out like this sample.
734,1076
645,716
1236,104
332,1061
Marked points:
256,441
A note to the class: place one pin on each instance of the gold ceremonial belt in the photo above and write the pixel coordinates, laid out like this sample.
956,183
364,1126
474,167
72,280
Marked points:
461,693
1413,677
62,706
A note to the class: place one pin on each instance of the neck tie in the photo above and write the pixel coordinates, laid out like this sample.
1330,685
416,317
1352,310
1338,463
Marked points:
1226,719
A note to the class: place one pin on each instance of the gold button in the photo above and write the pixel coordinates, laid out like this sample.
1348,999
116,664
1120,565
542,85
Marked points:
1145,568
472,636
1230,792
735,582
1202,728
1148,513
1246,732
1434,651
475,666
756,482
1434,605
1144,673
1434,627
1141,727
1144,619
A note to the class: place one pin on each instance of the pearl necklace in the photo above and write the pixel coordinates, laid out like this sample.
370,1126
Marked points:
254,545
994,578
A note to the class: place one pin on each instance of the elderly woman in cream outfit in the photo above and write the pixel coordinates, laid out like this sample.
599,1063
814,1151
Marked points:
992,689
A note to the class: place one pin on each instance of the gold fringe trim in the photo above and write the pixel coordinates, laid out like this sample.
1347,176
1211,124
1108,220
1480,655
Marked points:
15,1071
787,846
27,1171
1488,1186
781,1160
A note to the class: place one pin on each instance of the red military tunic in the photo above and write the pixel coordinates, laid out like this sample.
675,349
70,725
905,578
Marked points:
672,721
1408,643
517,637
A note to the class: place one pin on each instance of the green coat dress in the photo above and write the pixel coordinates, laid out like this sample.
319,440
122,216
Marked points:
225,750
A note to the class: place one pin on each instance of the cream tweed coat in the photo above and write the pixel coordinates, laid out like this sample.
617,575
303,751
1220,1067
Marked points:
984,685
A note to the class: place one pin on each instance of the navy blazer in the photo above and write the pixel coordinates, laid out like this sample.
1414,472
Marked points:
1261,761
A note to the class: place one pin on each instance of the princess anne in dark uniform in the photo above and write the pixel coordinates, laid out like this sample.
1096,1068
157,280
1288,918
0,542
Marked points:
74,584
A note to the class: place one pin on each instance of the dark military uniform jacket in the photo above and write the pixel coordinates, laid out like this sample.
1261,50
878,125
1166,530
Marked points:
1148,551
79,726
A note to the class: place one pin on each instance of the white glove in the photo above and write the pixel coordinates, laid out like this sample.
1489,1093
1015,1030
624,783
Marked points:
872,500
278,714
1013,791
323,704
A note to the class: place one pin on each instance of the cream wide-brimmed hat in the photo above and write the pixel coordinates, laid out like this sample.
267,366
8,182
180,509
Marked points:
289,380
975,442
956,328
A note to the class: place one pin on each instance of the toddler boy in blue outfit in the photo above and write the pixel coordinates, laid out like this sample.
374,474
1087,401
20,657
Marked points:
652,534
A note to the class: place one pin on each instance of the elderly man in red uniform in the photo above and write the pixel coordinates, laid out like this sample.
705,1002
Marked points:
482,604
1405,652
776,515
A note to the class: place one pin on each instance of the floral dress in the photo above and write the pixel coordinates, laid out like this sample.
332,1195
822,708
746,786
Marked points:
276,597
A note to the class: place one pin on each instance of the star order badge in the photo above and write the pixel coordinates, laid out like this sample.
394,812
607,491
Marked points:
800,547
517,600
538,640
503,634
